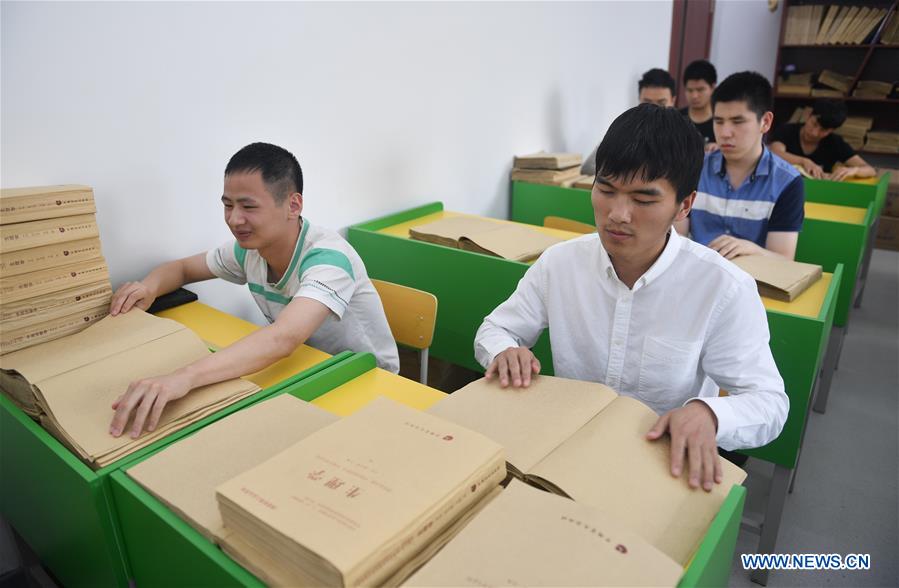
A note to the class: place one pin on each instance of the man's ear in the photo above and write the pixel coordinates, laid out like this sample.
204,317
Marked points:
294,205
685,206
767,121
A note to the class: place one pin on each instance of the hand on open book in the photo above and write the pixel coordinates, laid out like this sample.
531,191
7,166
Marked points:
131,295
692,429
813,169
730,247
146,399
516,365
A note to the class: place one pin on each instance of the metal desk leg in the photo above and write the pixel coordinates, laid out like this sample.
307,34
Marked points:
828,367
866,262
773,513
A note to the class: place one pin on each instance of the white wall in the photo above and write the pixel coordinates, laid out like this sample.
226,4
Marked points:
744,37
386,105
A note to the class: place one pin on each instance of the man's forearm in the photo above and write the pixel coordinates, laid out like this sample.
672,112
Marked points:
166,278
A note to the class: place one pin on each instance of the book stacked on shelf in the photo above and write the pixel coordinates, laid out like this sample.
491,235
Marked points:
53,277
833,24
853,130
872,89
70,384
882,142
796,84
890,34
555,169
835,81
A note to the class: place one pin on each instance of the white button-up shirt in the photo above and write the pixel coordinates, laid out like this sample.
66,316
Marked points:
692,323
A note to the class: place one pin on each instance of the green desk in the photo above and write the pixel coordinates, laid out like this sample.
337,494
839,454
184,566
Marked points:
63,509
831,235
468,285
859,194
531,203
163,550
800,331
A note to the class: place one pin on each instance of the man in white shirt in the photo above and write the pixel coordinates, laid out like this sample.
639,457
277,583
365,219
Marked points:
651,314
308,281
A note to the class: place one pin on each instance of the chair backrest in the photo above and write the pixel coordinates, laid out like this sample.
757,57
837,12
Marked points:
566,224
411,313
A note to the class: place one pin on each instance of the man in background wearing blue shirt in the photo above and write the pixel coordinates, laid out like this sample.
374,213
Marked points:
749,201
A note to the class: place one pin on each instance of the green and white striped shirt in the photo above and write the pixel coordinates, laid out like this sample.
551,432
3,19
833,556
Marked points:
324,267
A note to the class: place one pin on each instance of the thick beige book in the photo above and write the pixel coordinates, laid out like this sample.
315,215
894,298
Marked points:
35,259
47,232
837,33
834,80
352,502
18,335
874,19
18,205
584,441
827,93
779,278
526,537
24,286
546,176
815,17
583,182
542,160
72,382
32,311
184,475
500,239
850,31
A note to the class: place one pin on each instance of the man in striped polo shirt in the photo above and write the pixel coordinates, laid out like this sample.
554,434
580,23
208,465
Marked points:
308,281
749,201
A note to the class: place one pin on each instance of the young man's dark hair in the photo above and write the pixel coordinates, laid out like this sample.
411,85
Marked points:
746,86
652,142
280,170
657,78
831,113
701,70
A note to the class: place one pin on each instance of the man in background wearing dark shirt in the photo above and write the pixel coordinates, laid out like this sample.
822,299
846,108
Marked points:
815,146
700,78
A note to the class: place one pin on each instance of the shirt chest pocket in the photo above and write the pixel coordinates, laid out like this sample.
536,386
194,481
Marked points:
667,367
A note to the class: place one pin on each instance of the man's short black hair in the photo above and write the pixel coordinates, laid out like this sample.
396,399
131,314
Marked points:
746,86
280,170
657,78
701,70
651,142
831,113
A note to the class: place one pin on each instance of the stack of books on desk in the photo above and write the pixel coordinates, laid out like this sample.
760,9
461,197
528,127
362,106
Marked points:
882,142
853,130
69,385
547,168
358,502
53,278
779,278
872,89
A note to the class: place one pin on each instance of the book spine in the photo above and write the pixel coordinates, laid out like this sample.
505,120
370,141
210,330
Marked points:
38,233
40,258
380,565
44,206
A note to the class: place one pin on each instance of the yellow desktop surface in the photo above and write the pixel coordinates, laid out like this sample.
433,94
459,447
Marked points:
807,304
359,391
835,212
872,181
402,229
219,329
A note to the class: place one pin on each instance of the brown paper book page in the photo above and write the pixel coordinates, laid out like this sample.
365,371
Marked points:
609,464
510,241
543,160
531,422
43,202
364,493
526,537
184,476
781,279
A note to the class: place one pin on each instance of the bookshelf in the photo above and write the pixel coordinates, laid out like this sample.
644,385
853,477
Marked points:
866,49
